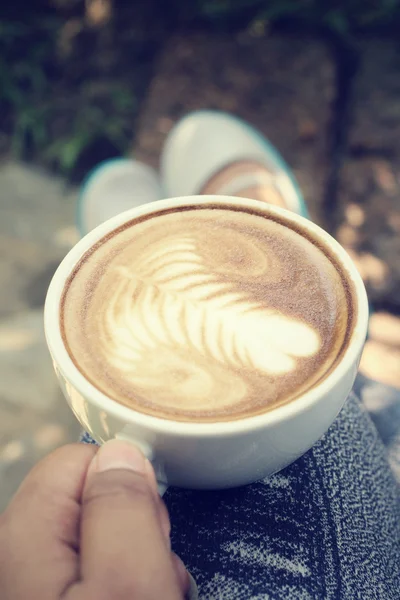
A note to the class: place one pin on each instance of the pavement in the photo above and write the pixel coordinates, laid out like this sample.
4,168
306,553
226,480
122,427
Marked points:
288,94
36,231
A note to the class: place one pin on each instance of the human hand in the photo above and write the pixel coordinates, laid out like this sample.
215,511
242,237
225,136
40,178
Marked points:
89,525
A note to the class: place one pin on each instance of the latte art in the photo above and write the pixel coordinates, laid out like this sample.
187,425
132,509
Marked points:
205,314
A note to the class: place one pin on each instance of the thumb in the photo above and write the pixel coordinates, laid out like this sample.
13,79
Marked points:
123,549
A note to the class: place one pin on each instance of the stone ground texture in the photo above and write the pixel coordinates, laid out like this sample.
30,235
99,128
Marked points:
36,230
288,94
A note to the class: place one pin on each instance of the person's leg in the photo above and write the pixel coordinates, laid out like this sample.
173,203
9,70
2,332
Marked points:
210,152
383,405
326,527
247,179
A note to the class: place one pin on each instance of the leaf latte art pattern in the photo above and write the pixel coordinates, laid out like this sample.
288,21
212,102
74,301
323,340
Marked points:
191,322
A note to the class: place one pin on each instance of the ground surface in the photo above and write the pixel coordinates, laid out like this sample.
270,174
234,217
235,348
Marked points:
286,88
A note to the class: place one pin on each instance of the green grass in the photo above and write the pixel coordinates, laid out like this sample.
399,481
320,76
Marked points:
47,114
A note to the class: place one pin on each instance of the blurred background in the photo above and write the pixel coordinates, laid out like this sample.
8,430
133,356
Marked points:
85,80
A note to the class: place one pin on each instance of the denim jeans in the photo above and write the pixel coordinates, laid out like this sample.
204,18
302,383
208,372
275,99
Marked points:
326,527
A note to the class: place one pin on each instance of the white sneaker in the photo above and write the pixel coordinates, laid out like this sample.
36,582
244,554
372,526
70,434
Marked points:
112,187
210,152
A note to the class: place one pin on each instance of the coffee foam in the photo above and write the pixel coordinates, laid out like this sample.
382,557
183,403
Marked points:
205,314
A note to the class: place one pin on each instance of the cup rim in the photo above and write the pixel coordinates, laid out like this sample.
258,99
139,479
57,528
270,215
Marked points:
275,415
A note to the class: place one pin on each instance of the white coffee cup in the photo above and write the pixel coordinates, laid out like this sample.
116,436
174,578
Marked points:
209,455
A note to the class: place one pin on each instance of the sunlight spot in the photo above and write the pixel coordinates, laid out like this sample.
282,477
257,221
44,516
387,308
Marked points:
384,176
375,270
372,269
385,328
98,12
66,237
12,451
355,215
348,236
49,436
16,339
381,362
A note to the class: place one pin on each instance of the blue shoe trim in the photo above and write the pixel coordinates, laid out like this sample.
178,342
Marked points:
272,153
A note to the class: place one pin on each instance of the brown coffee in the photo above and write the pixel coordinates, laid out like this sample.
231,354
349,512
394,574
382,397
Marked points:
206,313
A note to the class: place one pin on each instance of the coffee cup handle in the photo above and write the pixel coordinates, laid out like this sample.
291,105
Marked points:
147,450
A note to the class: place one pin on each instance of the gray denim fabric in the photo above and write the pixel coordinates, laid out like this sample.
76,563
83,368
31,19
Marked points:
326,527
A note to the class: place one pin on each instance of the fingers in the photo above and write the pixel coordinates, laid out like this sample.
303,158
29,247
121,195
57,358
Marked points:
124,545
125,529
39,531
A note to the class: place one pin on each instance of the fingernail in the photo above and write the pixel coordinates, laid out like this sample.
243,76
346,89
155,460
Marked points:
116,454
